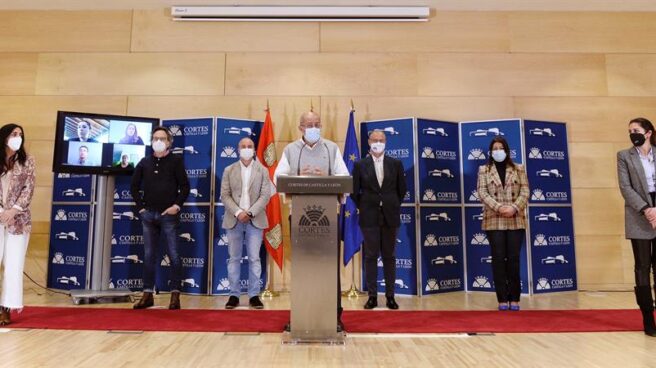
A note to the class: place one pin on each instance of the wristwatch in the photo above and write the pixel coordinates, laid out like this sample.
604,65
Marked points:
250,214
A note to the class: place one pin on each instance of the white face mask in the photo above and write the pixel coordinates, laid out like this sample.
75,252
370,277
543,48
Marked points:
377,147
312,134
499,155
246,153
14,143
159,146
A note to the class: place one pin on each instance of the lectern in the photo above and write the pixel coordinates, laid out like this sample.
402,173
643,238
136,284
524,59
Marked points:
315,250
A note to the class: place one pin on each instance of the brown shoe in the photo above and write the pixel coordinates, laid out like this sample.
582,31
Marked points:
145,301
175,300
5,316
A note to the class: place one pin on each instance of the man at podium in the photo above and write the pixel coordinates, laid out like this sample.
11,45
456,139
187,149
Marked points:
314,155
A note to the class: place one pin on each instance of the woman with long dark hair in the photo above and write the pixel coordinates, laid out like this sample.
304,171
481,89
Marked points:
131,135
16,190
637,179
503,189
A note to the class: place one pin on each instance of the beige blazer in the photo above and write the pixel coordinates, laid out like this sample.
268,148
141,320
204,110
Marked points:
259,193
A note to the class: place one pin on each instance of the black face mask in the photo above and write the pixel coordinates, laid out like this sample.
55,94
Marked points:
638,139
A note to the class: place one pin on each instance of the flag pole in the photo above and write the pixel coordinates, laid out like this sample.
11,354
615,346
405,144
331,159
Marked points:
268,291
353,291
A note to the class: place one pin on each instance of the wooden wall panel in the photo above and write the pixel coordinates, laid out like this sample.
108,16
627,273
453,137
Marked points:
445,32
131,74
336,74
593,165
582,32
65,31
631,75
511,75
155,31
599,259
17,73
598,211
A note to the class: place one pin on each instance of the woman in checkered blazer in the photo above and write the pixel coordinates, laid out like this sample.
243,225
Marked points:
503,189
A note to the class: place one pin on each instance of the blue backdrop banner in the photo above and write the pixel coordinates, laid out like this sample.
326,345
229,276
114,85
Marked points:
552,249
400,145
438,152
479,259
193,139
71,188
547,162
192,241
476,138
442,263
127,249
69,245
228,134
220,284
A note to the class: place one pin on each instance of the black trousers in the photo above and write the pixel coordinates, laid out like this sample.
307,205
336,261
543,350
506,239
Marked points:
506,245
644,254
380,241
339,276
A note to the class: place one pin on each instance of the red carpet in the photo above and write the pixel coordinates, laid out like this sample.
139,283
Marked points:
202,320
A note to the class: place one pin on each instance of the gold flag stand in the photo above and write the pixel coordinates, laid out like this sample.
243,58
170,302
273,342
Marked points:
353,291
268,292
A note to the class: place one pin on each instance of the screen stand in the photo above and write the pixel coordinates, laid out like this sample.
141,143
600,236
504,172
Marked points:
101,250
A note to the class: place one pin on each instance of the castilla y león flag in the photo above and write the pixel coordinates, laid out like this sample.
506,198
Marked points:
266,154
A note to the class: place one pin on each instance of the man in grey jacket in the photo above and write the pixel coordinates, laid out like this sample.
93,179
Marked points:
245,192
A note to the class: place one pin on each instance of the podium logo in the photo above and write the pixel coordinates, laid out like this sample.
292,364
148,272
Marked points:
239,131
537,195
540,240
430,241
223,285
486,132
535,153
435,131
61,215
543,284
476,154
432,285
480,239
182,150
314,222
543,132
429,195
481,282
58,258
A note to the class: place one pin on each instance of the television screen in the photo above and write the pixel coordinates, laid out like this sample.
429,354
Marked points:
100,144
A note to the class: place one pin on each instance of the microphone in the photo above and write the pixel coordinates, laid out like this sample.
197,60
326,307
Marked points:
298,164
330,165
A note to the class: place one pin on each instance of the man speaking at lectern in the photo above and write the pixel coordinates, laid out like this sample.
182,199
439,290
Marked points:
314,155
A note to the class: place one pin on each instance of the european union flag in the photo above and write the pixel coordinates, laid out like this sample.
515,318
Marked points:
351,234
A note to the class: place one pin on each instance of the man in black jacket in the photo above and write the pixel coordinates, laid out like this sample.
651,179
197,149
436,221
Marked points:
378,189
163,179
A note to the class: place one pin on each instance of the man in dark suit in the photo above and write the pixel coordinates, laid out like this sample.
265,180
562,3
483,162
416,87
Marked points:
378,189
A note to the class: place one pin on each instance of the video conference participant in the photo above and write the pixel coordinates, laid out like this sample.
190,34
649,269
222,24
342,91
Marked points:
16,190
637,180
131,135
165,185
314,155
245,192
378,190
124,162
503,189
83,132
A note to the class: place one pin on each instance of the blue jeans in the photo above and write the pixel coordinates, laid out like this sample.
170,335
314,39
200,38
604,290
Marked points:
240,235
155,224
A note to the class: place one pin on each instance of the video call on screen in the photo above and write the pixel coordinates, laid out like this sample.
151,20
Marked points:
104,143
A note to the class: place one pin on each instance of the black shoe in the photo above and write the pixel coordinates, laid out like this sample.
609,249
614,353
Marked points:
146,301
255,303
232,303
288,327
371,303
340,326
391,303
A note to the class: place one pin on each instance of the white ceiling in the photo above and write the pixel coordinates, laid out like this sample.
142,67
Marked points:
468,5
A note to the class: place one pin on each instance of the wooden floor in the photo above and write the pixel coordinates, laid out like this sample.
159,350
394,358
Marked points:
48,348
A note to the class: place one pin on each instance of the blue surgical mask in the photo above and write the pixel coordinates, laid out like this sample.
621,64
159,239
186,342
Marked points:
499,155
312,135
